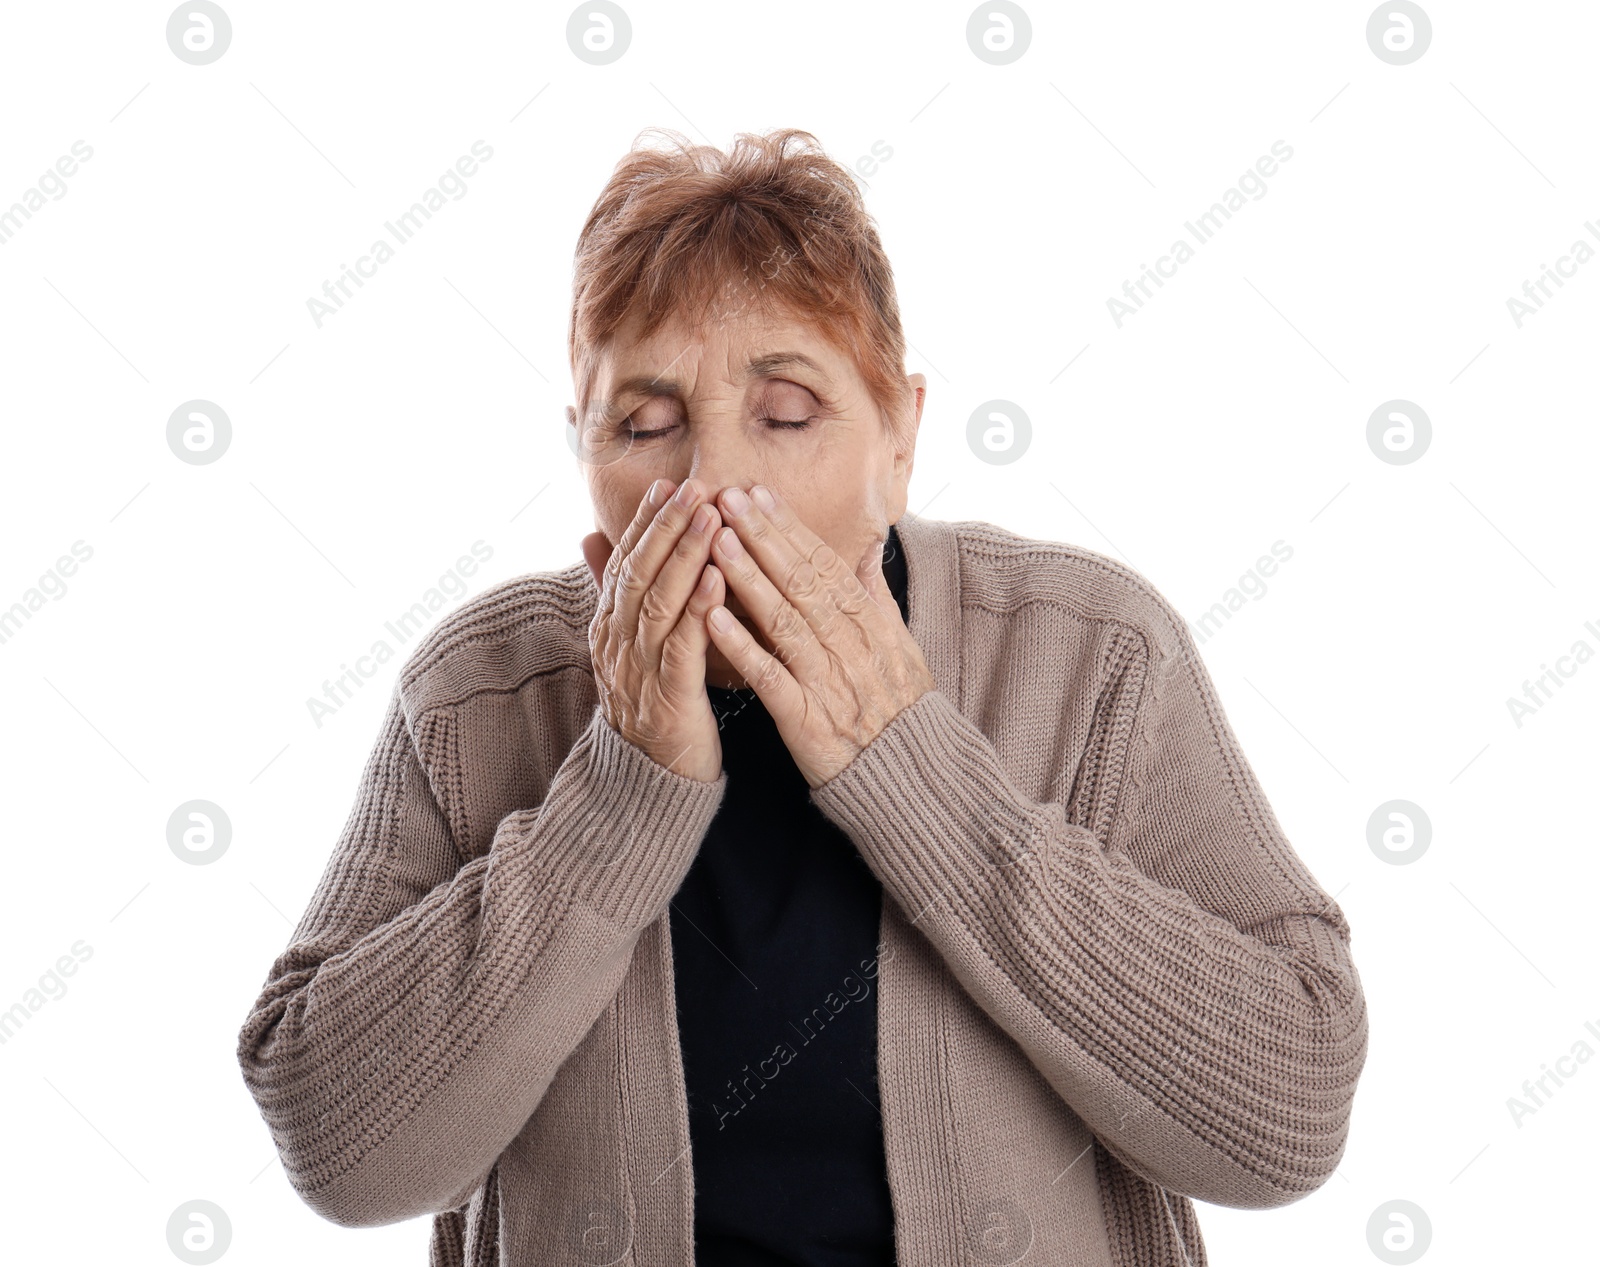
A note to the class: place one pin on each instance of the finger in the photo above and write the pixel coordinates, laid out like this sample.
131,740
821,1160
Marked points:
807,572
766,675
662,606
683,655
642,517
640,567
792,638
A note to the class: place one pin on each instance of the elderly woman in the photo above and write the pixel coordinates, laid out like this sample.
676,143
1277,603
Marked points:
799,880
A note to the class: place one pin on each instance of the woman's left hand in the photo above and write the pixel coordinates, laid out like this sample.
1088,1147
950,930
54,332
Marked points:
846,665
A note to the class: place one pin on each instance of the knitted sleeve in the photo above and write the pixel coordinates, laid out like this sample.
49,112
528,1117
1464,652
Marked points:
1184,984
424,1005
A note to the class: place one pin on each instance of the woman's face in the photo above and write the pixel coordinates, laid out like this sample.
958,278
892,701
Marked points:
756,400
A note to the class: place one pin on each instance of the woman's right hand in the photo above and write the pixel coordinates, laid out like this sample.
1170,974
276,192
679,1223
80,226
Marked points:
648,638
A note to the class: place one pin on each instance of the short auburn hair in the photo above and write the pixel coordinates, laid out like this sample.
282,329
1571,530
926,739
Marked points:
675,229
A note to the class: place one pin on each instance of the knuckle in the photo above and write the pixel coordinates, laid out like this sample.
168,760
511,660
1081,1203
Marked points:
801,578
674,657
787,624
653,608
687,547
825,615
825,559
759,532
767,675
627,573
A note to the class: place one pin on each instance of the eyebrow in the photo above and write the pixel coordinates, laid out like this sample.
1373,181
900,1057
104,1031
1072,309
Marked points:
760,367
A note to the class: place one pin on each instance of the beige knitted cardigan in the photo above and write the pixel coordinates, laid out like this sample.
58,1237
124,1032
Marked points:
1106,982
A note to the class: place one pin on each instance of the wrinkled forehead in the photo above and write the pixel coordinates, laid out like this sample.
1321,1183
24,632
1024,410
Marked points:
684,356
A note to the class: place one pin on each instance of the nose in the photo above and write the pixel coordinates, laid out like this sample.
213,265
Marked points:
713,485
718,456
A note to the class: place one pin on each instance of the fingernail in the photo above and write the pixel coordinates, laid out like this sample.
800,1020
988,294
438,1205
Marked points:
729,540
762,496
702,519
658,493
736,502
721,619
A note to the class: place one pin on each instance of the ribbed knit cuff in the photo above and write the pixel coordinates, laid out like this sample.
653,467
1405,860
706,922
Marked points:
617,829
931,809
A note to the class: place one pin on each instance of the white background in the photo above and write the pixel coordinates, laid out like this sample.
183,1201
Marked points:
369,454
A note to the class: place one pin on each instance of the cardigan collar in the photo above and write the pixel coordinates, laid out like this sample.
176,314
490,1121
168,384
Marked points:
933,589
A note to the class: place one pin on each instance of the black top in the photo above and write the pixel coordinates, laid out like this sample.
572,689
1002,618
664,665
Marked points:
775,944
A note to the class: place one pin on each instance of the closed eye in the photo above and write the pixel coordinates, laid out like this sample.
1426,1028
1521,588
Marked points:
784,424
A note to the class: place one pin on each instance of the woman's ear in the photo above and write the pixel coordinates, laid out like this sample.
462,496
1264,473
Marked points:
919,389
905,459
597,550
